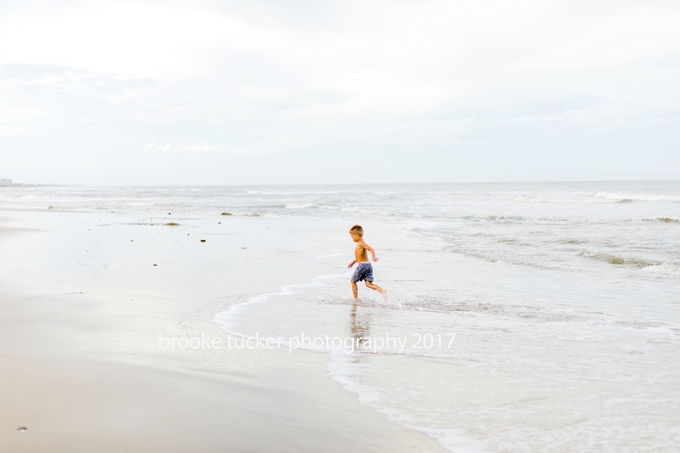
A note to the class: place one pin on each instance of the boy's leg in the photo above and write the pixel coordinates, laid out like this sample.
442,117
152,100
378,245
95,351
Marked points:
355,290
375,287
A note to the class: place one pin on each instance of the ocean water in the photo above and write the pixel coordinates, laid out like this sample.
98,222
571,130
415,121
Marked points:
534,317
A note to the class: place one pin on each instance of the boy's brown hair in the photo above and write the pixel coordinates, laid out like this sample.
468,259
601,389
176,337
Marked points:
357,229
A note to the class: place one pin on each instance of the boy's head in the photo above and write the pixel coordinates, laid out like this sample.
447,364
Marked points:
356,232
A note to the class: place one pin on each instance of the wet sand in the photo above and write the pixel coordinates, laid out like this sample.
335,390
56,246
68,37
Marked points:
84,299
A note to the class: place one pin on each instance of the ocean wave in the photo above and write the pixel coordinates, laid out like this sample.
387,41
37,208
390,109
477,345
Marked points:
618,260
600,197
301,205
663,219
572,241
664,268
321,192
530,199
618,197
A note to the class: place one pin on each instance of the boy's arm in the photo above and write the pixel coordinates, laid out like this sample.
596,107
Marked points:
370,249
352,263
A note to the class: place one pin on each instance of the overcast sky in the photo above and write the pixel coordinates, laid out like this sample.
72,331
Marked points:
252,92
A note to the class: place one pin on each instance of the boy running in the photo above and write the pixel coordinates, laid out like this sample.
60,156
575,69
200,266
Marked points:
364,270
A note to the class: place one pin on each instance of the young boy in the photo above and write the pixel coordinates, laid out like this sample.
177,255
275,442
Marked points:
364,270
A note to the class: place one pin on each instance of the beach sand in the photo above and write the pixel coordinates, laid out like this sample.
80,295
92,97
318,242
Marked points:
84,300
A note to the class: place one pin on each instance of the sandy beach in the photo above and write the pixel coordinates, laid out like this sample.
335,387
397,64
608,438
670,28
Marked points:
84,299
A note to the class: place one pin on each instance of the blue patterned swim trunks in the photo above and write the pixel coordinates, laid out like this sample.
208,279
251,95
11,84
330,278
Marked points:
364,271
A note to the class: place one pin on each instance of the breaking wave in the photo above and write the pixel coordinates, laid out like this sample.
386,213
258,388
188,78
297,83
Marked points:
618,260
664,268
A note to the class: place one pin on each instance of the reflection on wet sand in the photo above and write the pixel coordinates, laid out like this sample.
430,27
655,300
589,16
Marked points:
359,324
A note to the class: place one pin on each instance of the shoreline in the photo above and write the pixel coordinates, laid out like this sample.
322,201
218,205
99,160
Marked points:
92,379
